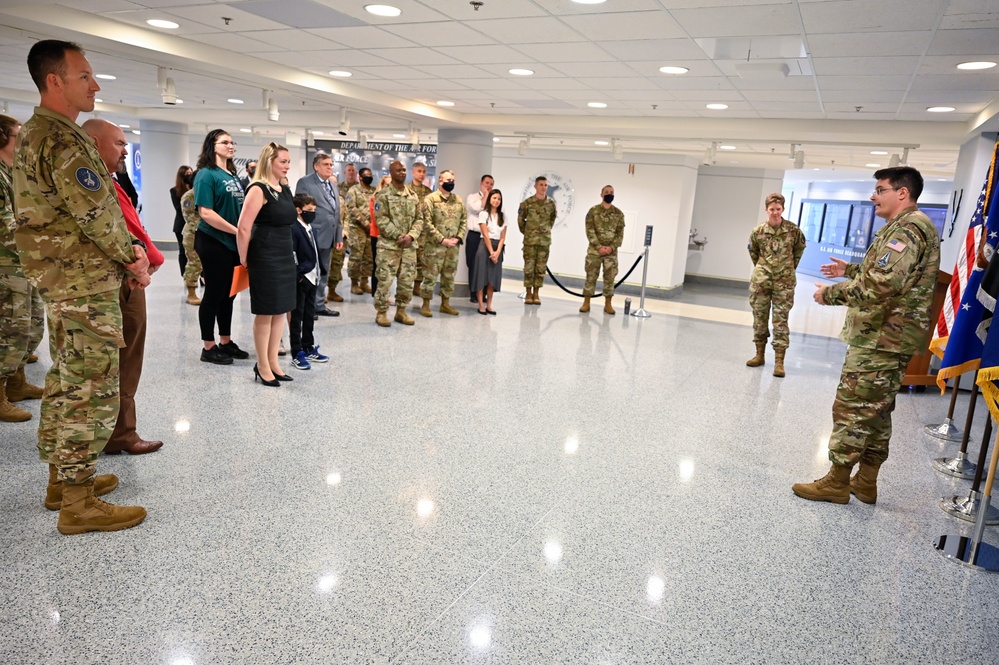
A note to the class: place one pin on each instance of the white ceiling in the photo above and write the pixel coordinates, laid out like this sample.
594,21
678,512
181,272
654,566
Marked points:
861,72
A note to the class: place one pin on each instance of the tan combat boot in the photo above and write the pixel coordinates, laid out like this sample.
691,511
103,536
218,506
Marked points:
758,359
53,493
425,310
833,487
192,296
416,289
537,296
355,286
864,485
446,307
585,307
402,317
333,296
382,320
365,287
779,362
8,412
18,388
32,358
529,298
607,305
82,511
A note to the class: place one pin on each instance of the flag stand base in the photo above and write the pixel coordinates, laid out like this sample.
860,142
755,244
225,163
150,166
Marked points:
966,508
958,467
962,550
944,430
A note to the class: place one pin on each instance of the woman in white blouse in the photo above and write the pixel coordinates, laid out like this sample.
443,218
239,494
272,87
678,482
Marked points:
488,274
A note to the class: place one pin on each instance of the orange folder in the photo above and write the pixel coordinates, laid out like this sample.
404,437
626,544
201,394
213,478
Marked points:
240,280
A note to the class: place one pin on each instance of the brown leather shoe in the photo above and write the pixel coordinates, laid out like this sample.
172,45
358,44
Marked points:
140,447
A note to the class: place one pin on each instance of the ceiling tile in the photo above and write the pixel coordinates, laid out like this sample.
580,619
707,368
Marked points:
440,34
577,69
510,9
666,50
367,37
876,96
864,83
879,66
515,31
788,107
983,81
844,16
966,42
781,96
413,11
485,54
970,14
739,21
302,40
455,71
566,52
834,45
626,25
618,84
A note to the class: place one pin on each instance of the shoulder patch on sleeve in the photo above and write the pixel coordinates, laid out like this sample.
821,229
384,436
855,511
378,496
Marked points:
883,261
378,206
88,179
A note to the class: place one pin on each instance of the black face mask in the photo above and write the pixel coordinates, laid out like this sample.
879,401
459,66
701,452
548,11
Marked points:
608,198
308,216
448,186
189,179
367,180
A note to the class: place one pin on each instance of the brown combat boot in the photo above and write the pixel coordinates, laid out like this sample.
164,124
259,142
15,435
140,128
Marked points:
53,493
365,287
537,296
355,286
333,296
382,320
8,412
82,511
779,362
446,307
425,310
18,388
402,317
33,358
758,359
585,307
833,487
529,298
416,288
192,296
864,485
608,307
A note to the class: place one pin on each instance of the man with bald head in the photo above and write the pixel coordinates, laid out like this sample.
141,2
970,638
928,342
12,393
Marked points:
399,229
113,149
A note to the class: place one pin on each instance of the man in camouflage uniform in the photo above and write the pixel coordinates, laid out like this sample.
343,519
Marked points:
75,249
192,273
536,217
443,214
890,296
21,311
605,233
775,246
422,191
357,221
399,229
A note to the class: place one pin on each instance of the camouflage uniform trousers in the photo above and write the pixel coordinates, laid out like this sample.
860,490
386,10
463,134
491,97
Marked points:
865,399
761,296
361,264
441,261
22,320
593,264
80,403
336,265
398,263
192,273
535,264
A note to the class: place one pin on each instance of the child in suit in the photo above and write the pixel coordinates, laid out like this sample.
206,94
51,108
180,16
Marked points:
303,345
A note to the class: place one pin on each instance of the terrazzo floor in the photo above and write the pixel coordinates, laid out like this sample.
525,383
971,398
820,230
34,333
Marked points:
538,486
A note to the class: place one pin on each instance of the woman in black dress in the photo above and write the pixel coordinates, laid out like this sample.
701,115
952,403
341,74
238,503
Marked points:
266,249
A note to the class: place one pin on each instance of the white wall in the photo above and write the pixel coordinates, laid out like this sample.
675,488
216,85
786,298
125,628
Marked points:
659,193
972,169
728,203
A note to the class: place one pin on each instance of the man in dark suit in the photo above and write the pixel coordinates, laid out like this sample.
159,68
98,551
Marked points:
328,227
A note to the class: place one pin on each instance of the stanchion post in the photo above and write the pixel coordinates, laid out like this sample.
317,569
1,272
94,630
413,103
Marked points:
641,312
946,429
960,466
967,507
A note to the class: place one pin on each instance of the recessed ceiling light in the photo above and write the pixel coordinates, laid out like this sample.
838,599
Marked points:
940,109
444,103
340,73
125,126
315,133
160,23
717,107
522,72
977,65
726,147
597,105
816,169
136,132
246,130
105,77
879,152
872,166
601,143
589,2
398,136
382,10
180,101
496,139
673,70
233,100
98,100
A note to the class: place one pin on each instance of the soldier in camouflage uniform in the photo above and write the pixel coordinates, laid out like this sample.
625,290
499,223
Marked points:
890,296
422,191
22,315
444,217
605,233
75,248
357,221
192,272
775,246
536,217
399,229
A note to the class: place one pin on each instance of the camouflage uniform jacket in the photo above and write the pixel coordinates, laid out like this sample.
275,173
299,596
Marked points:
890,292
775,251
396,215
418,188
71,234
344,187
189,210
536,218
604,227
8,248
355,205
443,218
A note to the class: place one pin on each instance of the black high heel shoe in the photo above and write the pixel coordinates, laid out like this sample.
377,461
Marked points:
282,377
273,383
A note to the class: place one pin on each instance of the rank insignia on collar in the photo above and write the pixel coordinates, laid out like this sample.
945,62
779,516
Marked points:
883,261
88,179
